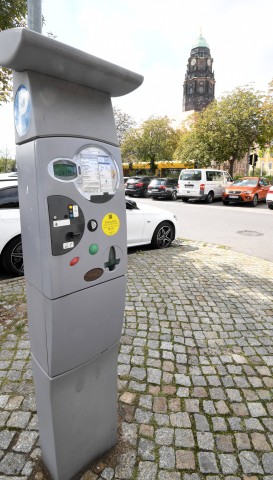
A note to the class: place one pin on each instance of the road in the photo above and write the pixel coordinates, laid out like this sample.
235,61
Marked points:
240,227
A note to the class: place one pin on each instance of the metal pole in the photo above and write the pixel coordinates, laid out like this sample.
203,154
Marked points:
247,162
34,15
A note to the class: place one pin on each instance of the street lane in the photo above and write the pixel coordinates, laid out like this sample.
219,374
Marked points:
240,227
220,224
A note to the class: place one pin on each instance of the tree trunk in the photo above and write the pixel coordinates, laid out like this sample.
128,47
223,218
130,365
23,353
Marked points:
152,165
231,166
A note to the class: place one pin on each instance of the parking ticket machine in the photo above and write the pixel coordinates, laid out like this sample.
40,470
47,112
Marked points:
74,239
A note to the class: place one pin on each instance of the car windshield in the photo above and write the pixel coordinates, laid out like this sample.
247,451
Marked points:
133,179
190,175
157,181
246,182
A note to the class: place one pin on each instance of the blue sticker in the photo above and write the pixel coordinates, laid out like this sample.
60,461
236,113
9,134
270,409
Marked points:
22,110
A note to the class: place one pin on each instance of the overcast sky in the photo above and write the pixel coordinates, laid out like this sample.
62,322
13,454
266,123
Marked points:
155,37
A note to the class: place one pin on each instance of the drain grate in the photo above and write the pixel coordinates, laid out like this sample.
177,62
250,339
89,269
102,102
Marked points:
250,233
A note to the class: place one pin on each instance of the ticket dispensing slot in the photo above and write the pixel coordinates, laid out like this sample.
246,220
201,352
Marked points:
112,260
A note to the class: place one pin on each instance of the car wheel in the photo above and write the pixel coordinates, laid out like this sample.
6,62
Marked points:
174,195
209,197
185,199
154,198
270,206
163,235
145,193
12,257
254,202
225,202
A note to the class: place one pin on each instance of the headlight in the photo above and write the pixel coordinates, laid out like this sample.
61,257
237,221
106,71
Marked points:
247,193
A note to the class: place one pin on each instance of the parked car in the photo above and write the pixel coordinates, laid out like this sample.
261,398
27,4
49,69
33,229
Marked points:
11,256
202,184
269,198
163,188
149,225
138,186
246,190
145,225
4,177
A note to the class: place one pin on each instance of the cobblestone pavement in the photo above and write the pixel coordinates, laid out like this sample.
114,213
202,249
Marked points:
194,377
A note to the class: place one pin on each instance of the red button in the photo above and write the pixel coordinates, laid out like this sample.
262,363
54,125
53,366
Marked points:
74,261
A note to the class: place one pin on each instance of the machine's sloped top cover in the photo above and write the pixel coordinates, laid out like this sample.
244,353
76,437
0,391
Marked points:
22,49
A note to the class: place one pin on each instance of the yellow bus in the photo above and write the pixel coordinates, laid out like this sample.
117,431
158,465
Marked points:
163,169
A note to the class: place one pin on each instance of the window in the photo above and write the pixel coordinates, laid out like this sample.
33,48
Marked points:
202,64
270,165
157,181
9,197
190,175
218,176
201,87
190,88
227,177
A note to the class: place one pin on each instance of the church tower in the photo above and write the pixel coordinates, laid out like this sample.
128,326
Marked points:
199,79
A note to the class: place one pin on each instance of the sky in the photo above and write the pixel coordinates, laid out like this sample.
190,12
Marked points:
154,38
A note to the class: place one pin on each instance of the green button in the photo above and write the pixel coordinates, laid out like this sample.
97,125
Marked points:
93,249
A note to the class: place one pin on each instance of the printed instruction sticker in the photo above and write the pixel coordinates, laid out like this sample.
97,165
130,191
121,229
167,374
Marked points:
110,224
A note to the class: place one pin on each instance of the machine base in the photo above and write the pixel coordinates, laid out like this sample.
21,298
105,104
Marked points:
77,414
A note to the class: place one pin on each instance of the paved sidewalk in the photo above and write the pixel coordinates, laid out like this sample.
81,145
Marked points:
194,377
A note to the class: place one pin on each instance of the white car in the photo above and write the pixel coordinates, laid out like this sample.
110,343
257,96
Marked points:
11,257
269,198
145,225
149,225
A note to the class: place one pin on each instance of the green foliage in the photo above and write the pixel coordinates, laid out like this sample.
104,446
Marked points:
155,140
12,14
228,128
7,165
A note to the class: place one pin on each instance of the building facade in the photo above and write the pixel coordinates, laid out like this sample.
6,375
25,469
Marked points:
199,84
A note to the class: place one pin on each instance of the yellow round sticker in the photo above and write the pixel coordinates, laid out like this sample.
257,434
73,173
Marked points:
110,224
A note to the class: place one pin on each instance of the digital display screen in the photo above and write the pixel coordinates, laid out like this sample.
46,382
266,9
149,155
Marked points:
65,171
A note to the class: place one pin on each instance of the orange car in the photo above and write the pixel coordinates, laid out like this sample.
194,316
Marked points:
246,189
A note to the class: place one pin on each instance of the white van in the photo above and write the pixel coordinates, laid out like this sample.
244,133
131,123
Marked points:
202,184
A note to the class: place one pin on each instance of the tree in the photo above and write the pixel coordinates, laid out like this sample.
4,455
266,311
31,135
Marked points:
123,123
12,14
190,149
7,164
155,140
228,128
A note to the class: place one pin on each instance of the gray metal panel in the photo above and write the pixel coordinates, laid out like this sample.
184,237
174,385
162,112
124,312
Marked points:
77,414
36,305
45,272
61,108
70,331
22,49
29,212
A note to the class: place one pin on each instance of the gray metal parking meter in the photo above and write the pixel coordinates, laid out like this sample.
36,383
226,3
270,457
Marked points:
74,239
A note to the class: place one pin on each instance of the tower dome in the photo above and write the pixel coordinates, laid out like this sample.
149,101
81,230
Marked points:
200,42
